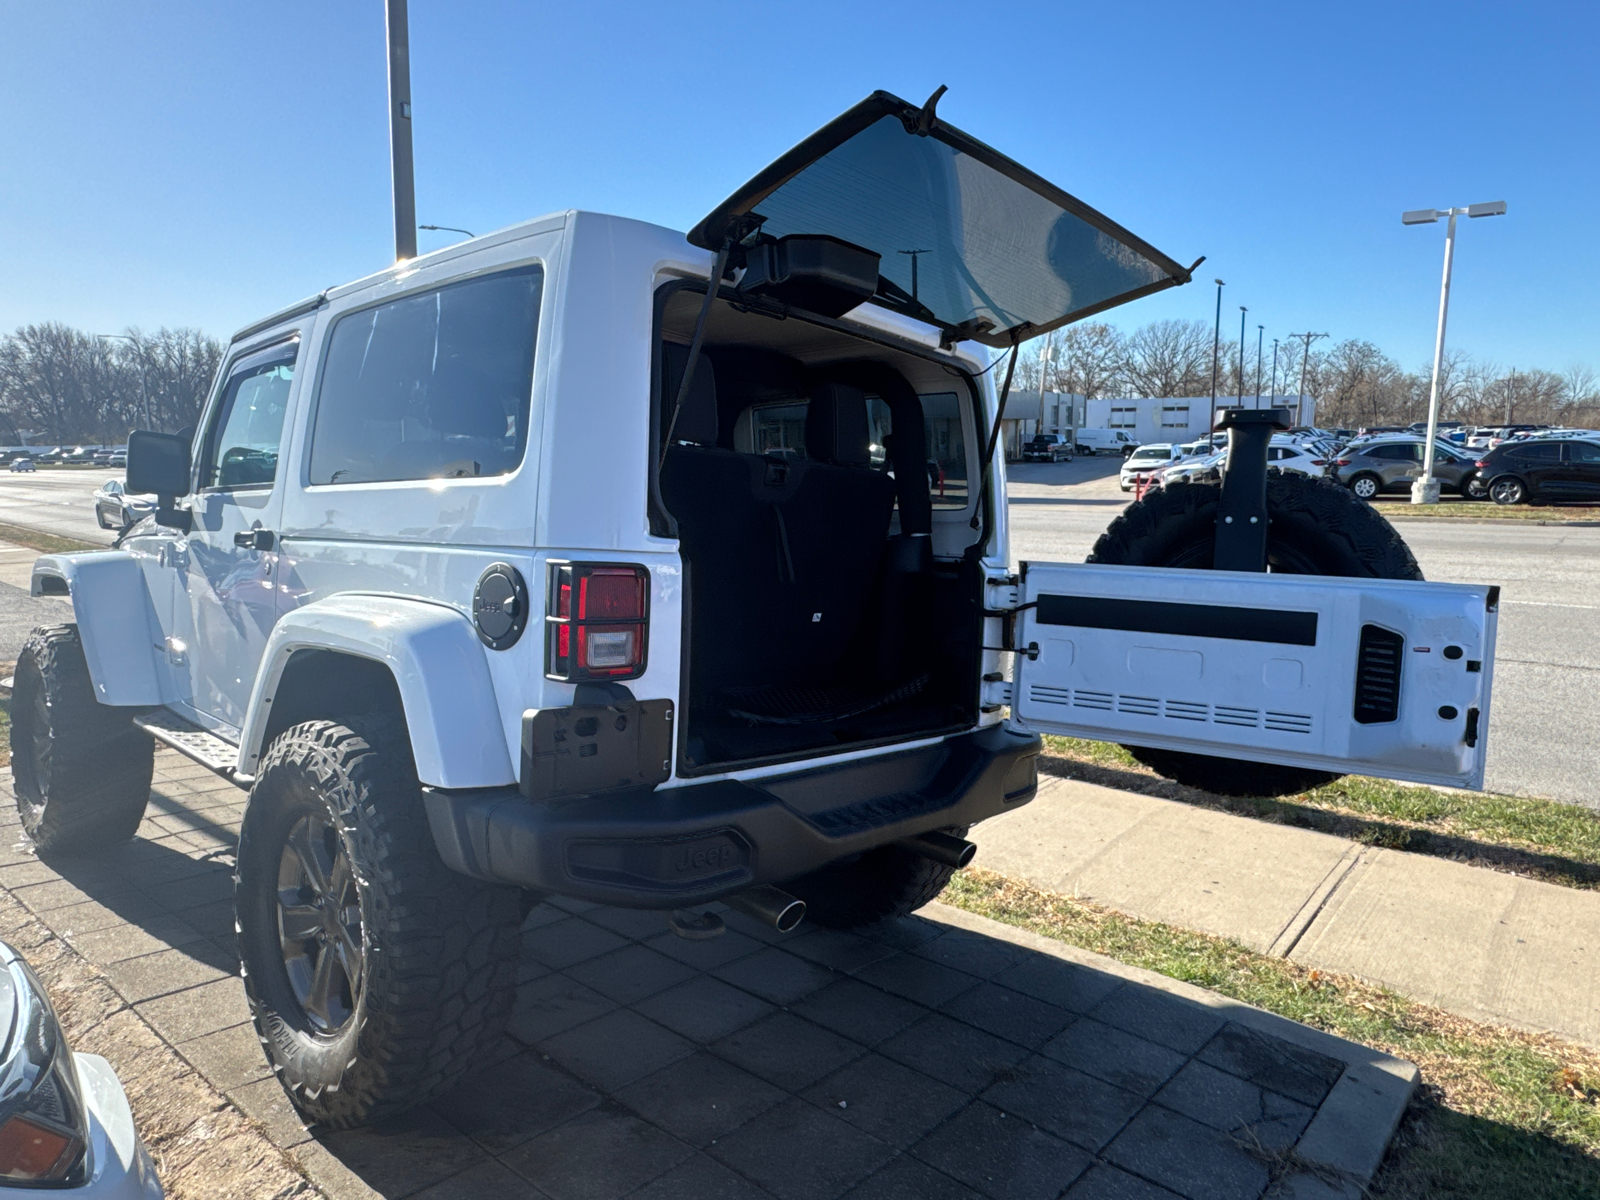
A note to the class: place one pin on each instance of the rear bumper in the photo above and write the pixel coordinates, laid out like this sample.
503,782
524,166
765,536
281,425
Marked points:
679,846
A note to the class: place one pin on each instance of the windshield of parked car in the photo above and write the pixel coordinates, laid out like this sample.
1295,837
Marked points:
1151,454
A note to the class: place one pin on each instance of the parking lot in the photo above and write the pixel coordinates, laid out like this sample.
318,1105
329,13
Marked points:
1541,743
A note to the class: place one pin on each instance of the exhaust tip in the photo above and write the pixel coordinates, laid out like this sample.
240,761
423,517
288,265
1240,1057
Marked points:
793,913
942,848
770,906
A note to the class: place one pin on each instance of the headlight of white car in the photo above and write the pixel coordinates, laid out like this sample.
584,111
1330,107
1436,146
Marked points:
43,1127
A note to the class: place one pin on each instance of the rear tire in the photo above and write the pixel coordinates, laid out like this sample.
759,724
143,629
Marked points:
81,768
883,883
339,882
1317,527
1508,491
1366,487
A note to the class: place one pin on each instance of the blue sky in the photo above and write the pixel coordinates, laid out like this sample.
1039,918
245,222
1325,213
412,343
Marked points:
203,162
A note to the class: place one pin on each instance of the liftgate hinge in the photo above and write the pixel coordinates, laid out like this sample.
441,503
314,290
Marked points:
1002,598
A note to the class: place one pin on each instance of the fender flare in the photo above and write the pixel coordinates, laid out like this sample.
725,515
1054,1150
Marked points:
116,618
439,667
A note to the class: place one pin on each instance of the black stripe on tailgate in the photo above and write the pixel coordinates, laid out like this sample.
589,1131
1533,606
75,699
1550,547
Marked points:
1185,620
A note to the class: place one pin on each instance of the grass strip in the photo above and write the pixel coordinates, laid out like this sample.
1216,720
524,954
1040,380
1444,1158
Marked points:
1501,1112
1538,515
1544,839
45,543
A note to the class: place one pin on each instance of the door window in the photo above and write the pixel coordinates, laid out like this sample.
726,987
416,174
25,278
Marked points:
241,449
1584,452
1540,453
433,386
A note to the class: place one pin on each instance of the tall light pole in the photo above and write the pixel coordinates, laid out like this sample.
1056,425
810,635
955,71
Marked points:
1305,364
1273,386
1426,489
405,190
1044,365
1261,332
1216,350
1240,397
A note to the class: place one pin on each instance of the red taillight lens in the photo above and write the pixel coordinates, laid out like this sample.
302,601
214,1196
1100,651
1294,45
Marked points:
1317,462
1342,462
604,634
33,1152
1480,463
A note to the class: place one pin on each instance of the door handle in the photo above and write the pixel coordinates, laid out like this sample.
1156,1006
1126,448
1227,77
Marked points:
254,539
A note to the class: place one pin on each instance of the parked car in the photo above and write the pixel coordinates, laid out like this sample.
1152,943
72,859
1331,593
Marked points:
1047,447
1540,470
538,612
1296,458
23,464
65,1126
1142,464
119,458
1393,464
114,508
1199,468
1105,441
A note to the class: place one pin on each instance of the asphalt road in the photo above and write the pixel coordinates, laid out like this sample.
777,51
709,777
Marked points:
1544,736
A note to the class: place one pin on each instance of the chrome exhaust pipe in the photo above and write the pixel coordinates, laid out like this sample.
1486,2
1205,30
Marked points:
941,847
770,906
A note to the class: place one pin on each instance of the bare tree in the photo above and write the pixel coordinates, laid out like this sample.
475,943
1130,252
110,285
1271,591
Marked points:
1088,360
1168,358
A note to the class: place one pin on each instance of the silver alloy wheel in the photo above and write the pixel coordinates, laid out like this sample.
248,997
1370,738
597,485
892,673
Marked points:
319,922
1507,491
1365,487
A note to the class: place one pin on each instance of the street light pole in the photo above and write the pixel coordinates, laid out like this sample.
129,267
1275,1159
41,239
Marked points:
1261,332
405,190
1240,397
1426,489
1044,365
1216,350
1273,386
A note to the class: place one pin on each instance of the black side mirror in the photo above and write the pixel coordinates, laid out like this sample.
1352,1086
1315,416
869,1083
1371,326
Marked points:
158,463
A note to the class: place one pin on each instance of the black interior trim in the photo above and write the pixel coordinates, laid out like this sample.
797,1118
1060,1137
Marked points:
1222,621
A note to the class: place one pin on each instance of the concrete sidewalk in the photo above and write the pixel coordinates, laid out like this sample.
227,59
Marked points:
1484,944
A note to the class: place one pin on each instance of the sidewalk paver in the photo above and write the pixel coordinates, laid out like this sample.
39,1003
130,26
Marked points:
1484,944
942,1056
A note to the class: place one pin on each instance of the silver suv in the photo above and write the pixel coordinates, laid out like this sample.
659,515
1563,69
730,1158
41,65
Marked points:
1393,464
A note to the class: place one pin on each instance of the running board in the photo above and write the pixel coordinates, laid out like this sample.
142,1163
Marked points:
189,739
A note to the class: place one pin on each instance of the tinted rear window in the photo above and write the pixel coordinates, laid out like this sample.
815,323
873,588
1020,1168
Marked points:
433,386
1536,452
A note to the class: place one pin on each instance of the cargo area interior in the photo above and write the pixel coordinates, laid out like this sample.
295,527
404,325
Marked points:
819,483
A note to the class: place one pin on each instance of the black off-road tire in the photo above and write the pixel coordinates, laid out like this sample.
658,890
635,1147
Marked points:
1317,527
81,768
885,882
438,949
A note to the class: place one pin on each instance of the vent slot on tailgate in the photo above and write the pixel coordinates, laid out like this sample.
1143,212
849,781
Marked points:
1378,675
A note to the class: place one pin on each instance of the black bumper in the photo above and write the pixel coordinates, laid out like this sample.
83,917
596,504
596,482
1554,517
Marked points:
673,847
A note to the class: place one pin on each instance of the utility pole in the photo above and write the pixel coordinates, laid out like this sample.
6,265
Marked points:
1044,365
1261,332
914,256
1511,391
1240,397
1305,363
405,191
1216,350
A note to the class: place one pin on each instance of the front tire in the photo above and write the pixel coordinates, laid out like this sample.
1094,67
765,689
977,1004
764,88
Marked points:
82,769
885,882
1316,527
376,975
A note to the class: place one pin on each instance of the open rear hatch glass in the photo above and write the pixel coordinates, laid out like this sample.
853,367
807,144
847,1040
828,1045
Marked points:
968,240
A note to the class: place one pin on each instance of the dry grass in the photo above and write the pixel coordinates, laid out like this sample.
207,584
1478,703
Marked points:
1502,1113
1535,514
45,543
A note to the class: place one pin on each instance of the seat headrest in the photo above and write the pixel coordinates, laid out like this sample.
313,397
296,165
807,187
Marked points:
836,425
697,420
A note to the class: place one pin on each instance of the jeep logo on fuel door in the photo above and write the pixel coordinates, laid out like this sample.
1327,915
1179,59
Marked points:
700,858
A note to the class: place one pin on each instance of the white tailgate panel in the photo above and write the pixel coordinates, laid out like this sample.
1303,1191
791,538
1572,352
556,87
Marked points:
1262,667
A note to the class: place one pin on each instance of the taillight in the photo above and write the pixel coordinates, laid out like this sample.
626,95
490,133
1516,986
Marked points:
597,621
1317,462
1343,462
1481,463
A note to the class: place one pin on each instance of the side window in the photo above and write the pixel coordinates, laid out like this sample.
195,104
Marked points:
772,429
1584,452
435,386
944,446
241,449
1539,452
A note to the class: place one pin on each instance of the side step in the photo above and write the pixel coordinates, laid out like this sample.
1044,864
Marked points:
187,738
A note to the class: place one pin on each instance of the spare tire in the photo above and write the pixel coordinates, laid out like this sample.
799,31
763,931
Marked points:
1316,527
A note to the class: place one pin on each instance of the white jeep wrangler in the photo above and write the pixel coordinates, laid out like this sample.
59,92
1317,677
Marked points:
537,565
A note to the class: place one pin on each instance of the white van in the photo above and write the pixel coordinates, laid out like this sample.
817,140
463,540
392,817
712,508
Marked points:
1105,441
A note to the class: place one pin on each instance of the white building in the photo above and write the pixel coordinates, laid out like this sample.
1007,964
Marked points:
1172,419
